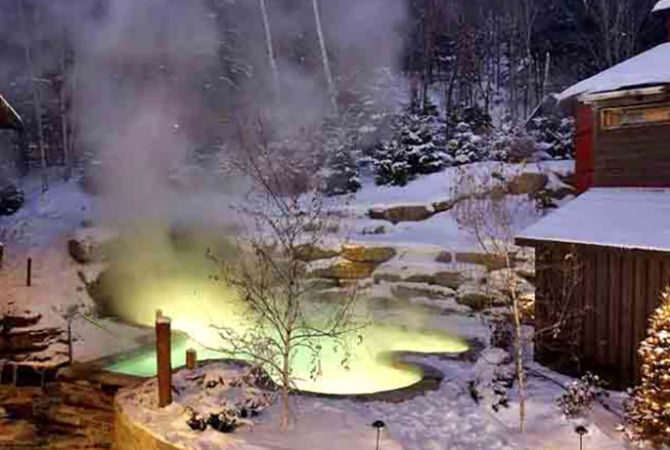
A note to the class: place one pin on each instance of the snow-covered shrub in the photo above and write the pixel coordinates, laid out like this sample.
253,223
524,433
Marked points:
555,136
581,394
510,143
502,333
648,410
416,148
391,165
465,146
476,117
342,175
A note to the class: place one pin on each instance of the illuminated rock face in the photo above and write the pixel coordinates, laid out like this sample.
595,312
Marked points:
343,269
360,253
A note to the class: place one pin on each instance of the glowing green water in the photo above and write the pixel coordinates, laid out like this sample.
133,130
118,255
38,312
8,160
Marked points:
181,286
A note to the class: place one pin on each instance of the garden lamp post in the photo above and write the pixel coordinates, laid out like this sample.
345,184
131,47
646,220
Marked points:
378,424
581,431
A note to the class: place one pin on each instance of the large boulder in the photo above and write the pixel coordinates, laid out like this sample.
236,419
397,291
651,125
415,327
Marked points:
528,183
11,200
342,269
310,253
451,280
478,297
408,291
407,213
91,245
505,281
361,253
490,260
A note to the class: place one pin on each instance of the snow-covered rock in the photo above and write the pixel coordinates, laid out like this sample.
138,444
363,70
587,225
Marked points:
91,245
527,183
403,213
368,254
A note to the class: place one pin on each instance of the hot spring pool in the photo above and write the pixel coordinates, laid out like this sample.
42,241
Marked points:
182,286
373,367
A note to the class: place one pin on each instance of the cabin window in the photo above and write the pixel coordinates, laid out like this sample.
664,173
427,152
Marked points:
613,118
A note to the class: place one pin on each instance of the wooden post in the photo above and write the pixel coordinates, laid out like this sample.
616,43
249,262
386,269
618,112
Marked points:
29,273
191,359
2,254
163,349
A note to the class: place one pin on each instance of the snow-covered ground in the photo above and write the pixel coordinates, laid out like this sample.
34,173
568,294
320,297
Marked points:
448,418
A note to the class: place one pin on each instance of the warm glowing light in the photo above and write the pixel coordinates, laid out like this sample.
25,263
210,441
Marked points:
182,286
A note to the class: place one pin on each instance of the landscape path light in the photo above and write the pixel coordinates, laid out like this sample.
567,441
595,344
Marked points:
378,424
581,431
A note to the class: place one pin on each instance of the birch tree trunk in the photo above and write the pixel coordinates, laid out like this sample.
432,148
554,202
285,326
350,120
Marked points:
271,54
332,89
35,88
65,129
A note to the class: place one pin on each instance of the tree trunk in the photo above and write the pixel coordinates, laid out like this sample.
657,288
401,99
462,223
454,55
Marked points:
63,113
286,380
271,54
37,101
332,89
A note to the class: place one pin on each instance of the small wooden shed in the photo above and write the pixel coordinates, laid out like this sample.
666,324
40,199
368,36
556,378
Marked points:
617,230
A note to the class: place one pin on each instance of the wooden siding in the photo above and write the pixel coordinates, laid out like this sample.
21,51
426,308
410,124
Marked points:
635,156
610,307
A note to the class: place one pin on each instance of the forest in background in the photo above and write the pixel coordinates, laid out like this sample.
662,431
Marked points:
407,86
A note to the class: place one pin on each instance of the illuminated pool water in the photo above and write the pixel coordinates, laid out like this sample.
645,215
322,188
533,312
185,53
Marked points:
181,286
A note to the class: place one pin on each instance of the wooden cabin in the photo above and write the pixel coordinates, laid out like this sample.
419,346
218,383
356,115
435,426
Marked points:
617,231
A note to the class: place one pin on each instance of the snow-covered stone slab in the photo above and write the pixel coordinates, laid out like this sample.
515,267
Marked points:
91,245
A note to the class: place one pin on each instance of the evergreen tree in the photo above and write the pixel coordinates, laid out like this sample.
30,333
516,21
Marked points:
343,176
649,408
391,165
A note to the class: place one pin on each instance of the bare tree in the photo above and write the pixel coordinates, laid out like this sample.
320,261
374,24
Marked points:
270,49
332,89
486,210
272,279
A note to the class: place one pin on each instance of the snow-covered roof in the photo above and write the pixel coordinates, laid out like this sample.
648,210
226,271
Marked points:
649,68
661,5
635,218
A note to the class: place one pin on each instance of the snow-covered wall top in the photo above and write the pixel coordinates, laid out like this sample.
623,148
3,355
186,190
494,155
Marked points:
651,67
616,217
661,5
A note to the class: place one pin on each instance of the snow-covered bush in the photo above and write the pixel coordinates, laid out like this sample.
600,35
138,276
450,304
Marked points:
391,165
510,143
555,136
581,394
476,117
341,147
648,411
502,333
416,148
465,146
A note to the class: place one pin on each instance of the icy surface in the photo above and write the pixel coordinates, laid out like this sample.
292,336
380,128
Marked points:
648,68
616,217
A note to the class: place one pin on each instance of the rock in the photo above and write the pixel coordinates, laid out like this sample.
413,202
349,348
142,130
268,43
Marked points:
505,280
528,183
310,253
449,279
17,341
559,193
444,205
91,245
491,261
322,284
527,271
9,321
381,229
387,277
444,257
477,297
360,253
426,278
344,270
11,200
409,291
397,214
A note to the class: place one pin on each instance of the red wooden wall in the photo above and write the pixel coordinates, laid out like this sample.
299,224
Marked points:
584,139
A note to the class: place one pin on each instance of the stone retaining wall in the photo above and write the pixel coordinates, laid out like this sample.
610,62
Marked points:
131,436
